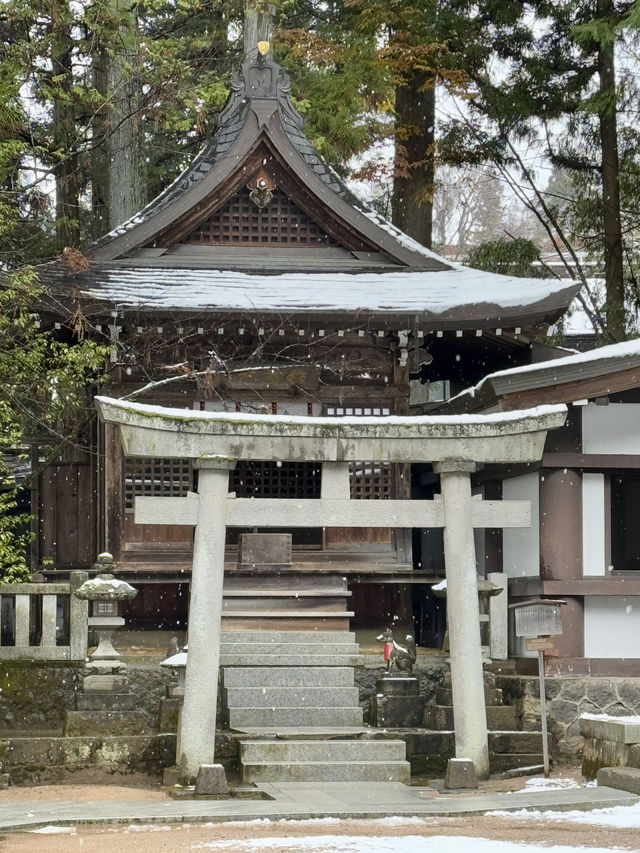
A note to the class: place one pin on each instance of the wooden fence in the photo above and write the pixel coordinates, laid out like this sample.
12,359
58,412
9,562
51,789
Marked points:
43,621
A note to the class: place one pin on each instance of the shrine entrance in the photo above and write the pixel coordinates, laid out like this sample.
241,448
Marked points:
216,442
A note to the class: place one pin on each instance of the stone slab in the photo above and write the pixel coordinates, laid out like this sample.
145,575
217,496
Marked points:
397,711
296,800
239,718
262,751
315,771
616,729
499,717
105,683
95,700
394,685
268,637
276,676
291,697
79,723
622,778
290,648
308,660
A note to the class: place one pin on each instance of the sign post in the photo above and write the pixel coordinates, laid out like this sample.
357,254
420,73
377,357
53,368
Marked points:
538,621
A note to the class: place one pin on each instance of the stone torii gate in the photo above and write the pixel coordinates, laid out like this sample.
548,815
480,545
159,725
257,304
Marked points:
214,442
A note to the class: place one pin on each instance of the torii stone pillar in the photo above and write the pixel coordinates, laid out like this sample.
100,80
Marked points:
197,734
463,615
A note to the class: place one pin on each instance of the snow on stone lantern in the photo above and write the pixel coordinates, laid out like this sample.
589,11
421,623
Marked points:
104,593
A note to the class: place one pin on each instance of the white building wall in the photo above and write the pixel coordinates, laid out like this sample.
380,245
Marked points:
611,626
611,429
593,516
521,547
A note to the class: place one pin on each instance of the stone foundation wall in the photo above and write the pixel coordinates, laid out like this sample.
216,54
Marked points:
567,699
34,695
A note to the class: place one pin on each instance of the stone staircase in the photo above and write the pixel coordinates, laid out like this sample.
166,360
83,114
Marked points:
293,694
509,748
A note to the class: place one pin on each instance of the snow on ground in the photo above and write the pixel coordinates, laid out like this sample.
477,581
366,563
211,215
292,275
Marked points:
616,816
539,783
387,844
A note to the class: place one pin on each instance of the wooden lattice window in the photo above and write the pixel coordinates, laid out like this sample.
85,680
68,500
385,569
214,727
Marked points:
155,478
367,480
276,480
241,222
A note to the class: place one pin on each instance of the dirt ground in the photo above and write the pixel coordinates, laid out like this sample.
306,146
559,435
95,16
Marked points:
183,838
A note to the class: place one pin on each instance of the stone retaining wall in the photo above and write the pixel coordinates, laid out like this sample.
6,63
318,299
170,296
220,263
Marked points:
567,699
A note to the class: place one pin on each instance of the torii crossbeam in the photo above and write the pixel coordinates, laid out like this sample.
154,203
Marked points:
215,442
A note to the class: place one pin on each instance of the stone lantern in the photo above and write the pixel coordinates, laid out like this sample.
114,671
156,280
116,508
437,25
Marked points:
105,592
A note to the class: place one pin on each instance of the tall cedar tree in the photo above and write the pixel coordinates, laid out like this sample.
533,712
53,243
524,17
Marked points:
559,71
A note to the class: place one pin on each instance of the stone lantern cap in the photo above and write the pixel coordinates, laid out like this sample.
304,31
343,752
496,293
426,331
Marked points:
105,587
179,659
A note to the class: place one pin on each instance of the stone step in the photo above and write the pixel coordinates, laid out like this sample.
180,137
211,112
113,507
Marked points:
96,701
499,762
285,751
282,676
492,696
267,637
515,742
499,717
291,697
293,620
270,717
78,723
289,649
266,660
323,771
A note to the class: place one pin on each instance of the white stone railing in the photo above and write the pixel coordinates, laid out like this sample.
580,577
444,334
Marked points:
43,621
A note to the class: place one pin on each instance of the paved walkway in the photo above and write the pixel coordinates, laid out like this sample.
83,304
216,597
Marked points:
300,801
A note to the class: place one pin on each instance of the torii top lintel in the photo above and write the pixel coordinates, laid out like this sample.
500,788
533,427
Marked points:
182,433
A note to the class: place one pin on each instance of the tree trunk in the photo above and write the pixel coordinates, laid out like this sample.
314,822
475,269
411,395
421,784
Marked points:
414,170
64,128
118,168
127,169
611,222
258,26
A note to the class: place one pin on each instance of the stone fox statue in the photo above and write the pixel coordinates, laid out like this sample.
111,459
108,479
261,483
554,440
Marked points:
403,657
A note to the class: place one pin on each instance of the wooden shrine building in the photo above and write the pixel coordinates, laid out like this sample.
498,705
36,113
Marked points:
257,282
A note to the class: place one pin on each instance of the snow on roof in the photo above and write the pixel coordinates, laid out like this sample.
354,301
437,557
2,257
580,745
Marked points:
605,358
435,292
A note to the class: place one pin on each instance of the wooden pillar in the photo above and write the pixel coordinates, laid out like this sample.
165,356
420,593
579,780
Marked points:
561,548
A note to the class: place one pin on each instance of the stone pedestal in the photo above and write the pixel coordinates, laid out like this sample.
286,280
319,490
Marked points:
397,703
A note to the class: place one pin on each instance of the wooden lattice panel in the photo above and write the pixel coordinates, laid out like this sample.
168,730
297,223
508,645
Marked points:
155,478
370,480
276,480
367,480
241,222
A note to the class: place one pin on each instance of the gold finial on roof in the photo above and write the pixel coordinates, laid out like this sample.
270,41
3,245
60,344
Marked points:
263,48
